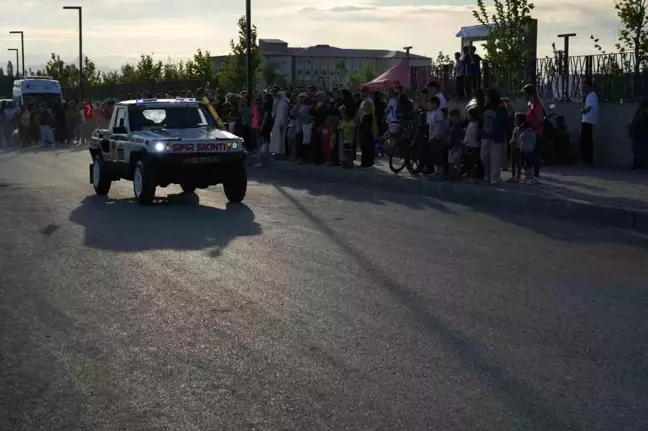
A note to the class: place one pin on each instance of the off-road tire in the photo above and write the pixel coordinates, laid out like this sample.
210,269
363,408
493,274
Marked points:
101,187
147,192
235,184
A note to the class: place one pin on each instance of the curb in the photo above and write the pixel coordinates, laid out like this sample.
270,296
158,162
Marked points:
468,194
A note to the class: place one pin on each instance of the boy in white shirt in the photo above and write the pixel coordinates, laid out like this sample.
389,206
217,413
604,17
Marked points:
471,157
437,127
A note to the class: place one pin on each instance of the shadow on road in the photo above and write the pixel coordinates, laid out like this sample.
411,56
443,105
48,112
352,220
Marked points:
527,405
176,222
347,192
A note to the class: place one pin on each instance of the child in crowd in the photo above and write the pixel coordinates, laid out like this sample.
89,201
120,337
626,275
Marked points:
527,146
455,144
471,158
516,155
348,132
437,145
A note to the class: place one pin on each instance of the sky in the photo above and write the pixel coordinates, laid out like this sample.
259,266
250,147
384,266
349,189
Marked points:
118,31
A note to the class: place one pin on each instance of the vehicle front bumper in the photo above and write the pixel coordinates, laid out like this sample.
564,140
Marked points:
202,169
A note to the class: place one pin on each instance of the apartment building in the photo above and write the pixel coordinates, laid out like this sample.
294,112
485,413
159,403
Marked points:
325,65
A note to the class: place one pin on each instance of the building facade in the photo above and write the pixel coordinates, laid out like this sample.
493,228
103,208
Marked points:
324,65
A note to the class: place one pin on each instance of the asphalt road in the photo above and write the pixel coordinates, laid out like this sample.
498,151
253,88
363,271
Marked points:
310,307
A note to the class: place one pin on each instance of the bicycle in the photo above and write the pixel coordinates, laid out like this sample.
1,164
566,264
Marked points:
408,151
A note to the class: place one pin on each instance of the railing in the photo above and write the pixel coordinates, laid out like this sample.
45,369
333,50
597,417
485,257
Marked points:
615,77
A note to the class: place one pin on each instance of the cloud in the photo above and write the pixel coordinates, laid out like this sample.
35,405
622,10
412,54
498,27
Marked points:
119,30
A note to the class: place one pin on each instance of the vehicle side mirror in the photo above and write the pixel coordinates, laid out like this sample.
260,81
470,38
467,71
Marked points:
119,130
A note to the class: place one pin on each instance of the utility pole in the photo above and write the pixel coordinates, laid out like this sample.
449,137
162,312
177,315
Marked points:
80,10
565,76
22,48
248,53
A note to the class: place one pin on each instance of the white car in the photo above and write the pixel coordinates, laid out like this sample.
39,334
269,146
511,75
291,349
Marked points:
168,141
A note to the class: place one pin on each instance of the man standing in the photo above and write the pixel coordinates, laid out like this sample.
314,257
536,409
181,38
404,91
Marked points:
459,76
465,63
589,119
474,69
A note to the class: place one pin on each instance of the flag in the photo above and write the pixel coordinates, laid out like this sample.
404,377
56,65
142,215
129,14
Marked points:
88,110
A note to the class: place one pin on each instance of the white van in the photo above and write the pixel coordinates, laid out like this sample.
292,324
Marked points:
39,89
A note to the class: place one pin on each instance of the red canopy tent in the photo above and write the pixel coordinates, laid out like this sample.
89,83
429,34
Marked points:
399,75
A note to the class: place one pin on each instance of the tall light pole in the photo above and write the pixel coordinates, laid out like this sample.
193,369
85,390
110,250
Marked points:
17,65
22,48
248,43
80,9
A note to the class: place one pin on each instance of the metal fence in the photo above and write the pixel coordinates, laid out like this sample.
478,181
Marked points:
615,77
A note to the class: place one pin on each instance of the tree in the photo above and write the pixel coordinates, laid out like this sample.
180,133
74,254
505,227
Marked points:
91,76
355,81
10,70
128,74
147,70
190,70
170,71
269,74
506,47
633,35
342,71
55,68
203,66
439,62
234,73
368,73
110,78
71,76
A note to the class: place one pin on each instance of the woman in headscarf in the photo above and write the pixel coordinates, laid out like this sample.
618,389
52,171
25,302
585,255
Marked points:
278,134
367,127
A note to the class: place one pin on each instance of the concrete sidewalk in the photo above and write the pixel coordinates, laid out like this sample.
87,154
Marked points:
609,197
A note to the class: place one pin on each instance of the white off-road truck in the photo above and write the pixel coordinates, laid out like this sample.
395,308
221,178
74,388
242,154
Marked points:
157,142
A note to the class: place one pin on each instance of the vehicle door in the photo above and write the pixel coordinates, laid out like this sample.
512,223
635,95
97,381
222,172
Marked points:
119,138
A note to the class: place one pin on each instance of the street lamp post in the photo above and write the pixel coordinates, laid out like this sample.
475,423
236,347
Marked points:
22,49
248,40
80,9
17,65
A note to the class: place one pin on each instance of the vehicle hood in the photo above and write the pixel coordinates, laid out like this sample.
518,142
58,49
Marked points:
186,134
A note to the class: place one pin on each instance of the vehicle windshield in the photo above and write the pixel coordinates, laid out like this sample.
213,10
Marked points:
169,117
50,99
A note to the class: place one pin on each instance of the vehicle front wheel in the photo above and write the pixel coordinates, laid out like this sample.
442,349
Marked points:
235,184
143,184
100,179
188,188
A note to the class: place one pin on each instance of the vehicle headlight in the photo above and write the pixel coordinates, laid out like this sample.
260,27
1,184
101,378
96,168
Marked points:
159,147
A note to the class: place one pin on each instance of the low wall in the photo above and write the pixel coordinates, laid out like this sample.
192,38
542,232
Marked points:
612,147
